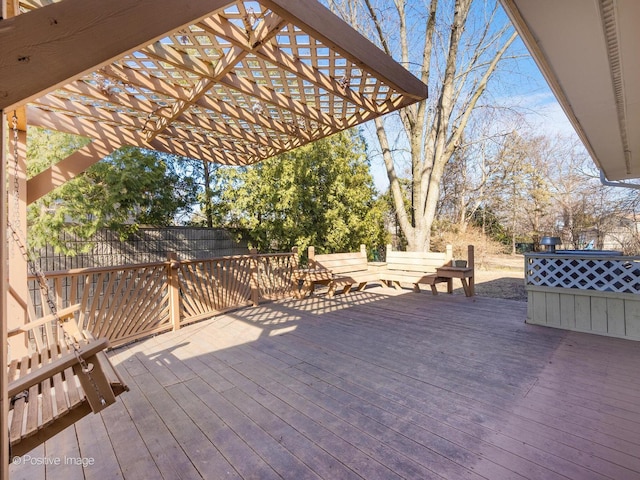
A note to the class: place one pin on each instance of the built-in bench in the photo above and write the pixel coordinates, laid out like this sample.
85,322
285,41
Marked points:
340,270
416,268
351,269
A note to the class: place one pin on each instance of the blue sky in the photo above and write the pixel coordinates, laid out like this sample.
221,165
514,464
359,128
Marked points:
521,86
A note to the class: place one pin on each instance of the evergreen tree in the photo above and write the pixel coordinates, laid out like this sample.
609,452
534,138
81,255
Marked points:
321,194
131,187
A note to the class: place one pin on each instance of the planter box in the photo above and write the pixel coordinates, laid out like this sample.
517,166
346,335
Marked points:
603,313
587,293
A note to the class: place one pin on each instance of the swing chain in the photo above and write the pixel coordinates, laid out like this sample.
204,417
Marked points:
34,268
16,167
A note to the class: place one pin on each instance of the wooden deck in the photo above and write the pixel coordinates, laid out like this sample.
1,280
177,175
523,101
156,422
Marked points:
376,385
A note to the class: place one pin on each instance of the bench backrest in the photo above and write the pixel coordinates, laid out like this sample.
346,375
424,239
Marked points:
340,263
418,261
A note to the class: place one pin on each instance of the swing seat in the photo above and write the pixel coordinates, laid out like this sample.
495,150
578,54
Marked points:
48,389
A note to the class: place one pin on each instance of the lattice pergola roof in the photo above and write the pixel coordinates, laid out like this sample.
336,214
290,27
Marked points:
242,83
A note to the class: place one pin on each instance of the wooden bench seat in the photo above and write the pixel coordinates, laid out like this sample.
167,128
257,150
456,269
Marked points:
347,270
48,389
416,268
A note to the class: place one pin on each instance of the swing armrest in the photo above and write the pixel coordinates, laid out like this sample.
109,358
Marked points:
48,370
62,314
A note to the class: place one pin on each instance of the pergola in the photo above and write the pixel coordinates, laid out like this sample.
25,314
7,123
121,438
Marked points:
231,82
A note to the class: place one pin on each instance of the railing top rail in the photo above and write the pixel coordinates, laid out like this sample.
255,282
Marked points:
80,271
277,254
213,259
88,270
232,257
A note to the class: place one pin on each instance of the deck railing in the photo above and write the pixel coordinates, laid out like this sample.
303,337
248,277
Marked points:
129,302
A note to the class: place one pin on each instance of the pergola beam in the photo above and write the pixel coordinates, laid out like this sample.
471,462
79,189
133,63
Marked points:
68,168
318,21
121,136
74,37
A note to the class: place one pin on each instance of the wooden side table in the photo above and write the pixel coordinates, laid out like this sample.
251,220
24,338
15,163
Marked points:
464,274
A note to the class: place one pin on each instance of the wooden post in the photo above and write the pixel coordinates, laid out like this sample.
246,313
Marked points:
363,250
295,264
255,281
470,264
4,296
10,8
312,256
173,282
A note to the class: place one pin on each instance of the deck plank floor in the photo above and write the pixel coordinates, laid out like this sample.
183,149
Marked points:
377,384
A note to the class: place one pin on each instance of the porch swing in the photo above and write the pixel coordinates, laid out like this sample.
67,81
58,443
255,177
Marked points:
66,376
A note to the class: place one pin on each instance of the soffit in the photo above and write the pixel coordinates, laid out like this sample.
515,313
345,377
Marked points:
588,52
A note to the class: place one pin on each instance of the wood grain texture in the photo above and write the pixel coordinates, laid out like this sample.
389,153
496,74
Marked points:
70,38
375,385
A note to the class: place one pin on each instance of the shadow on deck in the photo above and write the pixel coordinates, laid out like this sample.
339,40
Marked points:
376,385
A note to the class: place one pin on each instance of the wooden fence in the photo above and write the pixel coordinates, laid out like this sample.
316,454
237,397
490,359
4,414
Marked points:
126,303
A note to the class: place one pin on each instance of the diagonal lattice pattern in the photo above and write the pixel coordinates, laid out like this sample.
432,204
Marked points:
601,274
236,87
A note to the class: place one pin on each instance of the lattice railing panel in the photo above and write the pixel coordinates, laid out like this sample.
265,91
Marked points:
604,274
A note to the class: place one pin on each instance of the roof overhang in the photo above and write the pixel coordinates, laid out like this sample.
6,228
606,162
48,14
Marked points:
588,52
233,82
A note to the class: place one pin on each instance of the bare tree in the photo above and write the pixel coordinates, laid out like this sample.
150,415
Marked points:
575,193
455,51
469,180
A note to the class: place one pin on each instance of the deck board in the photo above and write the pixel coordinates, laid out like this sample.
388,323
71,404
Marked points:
377,384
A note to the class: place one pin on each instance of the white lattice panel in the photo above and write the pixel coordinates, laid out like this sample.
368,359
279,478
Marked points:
604,274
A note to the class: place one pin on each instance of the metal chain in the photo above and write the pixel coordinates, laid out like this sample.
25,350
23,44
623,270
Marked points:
16,180
34,268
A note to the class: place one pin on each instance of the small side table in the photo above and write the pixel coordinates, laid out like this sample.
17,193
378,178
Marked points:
458,272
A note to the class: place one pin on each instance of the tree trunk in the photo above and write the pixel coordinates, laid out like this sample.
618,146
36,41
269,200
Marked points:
433,133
